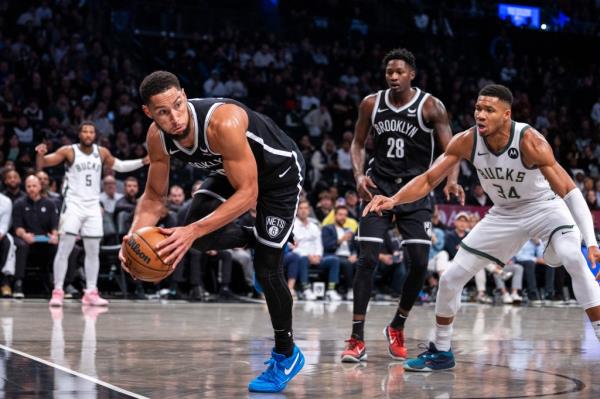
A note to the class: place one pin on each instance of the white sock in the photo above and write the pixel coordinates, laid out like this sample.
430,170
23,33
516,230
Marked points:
91,262
61,260
596,325
443,337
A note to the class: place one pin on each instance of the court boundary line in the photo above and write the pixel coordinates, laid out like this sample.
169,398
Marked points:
75,373
580,386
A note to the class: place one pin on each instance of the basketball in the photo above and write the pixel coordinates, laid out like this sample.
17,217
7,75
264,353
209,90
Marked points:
142,260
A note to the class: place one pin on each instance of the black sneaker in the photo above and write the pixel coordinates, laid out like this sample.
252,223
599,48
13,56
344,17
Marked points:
18,290
198,294
140,293
71,292
225,295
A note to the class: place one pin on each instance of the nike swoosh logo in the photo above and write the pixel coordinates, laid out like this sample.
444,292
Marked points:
482,153
288,371
381,110
412,111
171,152
567,232
284,172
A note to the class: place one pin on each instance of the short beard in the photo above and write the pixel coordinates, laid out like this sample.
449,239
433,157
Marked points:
182,136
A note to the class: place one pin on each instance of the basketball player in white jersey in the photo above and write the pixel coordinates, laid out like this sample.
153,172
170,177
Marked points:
81,214
517,169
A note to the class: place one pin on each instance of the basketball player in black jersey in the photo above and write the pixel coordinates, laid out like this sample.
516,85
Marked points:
252,163
405,122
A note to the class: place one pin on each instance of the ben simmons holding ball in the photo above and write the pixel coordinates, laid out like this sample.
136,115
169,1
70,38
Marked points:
252,163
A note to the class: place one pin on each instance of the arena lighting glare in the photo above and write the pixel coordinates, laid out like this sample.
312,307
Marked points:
544,27
520,15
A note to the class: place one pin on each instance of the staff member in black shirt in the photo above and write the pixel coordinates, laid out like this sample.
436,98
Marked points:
12,185
35,223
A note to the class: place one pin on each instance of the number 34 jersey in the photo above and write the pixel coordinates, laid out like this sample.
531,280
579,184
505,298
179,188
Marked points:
404,145
504,176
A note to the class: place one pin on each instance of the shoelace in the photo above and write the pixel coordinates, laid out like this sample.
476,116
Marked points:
269,374
352,343
425,354
396,334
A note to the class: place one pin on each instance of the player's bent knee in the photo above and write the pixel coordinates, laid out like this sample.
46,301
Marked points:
369,256
455,278
566,250
202,206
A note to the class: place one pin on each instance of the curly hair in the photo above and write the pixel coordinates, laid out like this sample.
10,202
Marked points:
400,54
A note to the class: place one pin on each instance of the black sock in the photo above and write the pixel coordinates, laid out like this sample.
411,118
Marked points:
358,329
268,265
284,342
398,321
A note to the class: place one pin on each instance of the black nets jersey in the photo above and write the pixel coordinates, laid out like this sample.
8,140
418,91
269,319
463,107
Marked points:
404,145
276,154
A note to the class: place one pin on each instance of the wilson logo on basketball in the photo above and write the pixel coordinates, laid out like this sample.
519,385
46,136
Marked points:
135,247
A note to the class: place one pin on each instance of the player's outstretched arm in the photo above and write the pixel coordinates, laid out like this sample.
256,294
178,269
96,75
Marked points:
458,148
45,160
537,152
226,135
122,166
434,111
357,149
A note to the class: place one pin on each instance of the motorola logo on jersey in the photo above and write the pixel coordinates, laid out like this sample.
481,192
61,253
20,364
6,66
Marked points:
513,153
275,226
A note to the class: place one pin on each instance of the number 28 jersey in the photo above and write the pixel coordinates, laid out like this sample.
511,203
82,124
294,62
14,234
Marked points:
404,145
504,176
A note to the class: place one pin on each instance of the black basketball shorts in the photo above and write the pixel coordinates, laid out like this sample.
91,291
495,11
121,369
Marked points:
413,220
276,205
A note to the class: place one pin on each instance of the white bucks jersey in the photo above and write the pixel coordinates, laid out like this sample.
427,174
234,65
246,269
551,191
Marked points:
504,176
82,177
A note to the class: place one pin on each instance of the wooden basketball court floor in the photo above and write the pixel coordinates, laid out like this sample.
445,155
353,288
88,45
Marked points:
185,350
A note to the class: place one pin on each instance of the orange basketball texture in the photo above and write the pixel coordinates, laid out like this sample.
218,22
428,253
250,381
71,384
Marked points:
142,259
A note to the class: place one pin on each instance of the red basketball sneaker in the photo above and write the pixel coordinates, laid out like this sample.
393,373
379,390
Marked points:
396,346
355,351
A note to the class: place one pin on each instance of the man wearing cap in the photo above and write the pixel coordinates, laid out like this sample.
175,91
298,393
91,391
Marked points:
454,237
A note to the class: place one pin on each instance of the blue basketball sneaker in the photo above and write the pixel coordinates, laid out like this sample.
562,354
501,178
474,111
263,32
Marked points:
279,372
431,360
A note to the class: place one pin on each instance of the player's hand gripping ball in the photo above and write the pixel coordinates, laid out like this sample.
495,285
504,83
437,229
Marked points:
142,260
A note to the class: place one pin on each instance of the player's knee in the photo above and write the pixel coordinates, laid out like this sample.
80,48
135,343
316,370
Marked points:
202,244
369,256
202,206
418,254
572,258
567,249
453,279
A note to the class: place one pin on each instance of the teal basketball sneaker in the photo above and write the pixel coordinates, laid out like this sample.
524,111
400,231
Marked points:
279,372
431,360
